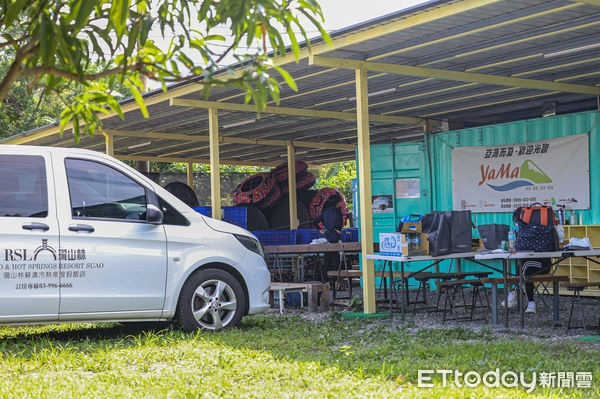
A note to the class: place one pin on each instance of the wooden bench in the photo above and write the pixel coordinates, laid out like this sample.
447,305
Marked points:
454,285
531,279
313,288
542,278
340,275
577,288
424,277
282,289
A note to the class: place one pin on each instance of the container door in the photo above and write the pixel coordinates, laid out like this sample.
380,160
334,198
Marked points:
400,184
29,237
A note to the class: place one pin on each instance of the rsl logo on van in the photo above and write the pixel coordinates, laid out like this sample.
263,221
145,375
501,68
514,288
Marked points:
45,252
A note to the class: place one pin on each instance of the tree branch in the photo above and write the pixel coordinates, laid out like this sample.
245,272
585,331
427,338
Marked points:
14,41
39,71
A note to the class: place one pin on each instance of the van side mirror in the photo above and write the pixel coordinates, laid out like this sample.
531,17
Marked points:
153,214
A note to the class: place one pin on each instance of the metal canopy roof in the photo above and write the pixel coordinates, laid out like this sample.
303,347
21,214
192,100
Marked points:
466,63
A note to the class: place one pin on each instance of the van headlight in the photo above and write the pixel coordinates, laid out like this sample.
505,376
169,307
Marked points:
251,244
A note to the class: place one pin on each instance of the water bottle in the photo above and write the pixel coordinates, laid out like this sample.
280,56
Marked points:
561,216
417,242
511,240
573,218
411,243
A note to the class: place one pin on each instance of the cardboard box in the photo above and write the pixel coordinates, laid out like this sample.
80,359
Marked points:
423,247
395,244
412,227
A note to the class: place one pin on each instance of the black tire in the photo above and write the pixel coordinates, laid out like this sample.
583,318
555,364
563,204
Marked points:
222,311
279,216
305,196
183,192
256,219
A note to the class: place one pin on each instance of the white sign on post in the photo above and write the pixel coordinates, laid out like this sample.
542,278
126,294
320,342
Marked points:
504,177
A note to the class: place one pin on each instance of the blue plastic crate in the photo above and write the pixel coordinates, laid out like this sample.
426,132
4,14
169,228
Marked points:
237,215
293,298
305,236
204,210
350,234
284,237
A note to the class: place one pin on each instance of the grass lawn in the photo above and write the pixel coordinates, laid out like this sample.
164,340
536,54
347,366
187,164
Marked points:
271,356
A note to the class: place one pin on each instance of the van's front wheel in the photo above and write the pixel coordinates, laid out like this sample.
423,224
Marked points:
211,299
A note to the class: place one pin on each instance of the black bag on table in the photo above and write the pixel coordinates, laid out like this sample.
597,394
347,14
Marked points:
536,230
461,233
437,227
492,235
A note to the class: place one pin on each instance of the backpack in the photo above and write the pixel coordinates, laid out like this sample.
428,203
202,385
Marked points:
535,229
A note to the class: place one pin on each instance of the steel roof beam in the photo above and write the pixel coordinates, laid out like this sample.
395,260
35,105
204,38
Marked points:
254,132
154,158
181,102
454,75
410,21
476,27
227,139
512,39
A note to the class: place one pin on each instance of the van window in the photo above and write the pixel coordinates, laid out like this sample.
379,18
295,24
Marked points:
170,214
99,191
23,187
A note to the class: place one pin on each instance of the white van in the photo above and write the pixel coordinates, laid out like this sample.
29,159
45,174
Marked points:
84,237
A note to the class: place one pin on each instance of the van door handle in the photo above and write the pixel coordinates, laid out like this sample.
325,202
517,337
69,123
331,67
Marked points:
81,227
35,226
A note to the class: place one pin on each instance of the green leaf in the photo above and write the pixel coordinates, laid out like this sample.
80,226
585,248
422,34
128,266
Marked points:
76,128
95,45
114,105
13,12
119,12
146,27
138,98
324,33
295,46
287,77
331,172
46,38
132,40
83,14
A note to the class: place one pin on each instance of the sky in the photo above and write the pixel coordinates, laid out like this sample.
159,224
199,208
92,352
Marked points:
338,14
342,13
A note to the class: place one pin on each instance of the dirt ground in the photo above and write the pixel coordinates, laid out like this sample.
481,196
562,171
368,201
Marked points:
538,325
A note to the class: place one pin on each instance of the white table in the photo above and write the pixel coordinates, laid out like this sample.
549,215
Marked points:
560,255
503,256
507,258
406,259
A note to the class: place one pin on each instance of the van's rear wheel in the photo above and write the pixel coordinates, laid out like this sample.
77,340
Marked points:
211,299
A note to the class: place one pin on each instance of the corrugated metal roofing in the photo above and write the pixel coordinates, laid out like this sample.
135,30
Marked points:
552,41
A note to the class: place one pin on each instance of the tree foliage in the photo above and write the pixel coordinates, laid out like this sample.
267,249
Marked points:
339,176
26,108
51,44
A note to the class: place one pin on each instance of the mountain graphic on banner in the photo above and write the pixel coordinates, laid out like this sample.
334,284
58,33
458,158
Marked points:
530,171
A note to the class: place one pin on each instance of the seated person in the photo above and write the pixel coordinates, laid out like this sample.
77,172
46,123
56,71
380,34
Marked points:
529,267
331,217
